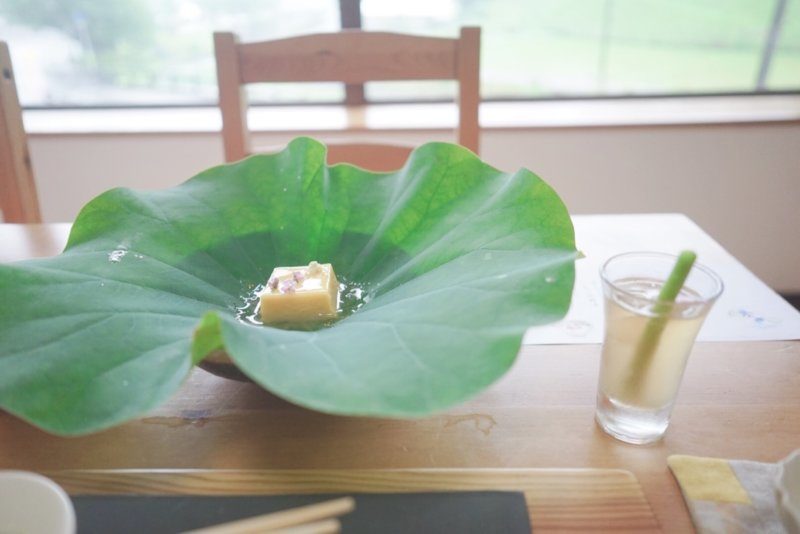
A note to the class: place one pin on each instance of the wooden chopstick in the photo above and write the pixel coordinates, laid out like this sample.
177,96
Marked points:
311,516
326,526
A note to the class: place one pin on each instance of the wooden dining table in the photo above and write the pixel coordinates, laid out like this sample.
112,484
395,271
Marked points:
738,400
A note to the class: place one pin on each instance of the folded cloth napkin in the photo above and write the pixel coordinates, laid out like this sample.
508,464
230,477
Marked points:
728,495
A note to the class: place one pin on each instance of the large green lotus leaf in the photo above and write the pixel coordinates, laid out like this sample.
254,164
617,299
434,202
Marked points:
457,257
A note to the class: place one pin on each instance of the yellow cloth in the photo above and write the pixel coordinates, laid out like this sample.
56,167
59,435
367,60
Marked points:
708,479
728,496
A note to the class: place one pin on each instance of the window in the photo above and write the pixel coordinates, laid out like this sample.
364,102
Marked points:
73,53
70,53
585,48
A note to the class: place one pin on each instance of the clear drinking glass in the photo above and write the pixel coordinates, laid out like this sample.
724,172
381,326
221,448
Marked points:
640,372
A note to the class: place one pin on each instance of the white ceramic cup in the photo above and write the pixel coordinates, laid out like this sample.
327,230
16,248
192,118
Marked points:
788,492
34,504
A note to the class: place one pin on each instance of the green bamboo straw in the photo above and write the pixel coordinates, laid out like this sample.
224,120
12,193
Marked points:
655,326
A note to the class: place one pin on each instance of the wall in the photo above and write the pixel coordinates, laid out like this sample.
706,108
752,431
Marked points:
741,183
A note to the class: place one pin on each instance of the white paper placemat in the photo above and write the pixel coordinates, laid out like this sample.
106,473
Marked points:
747,310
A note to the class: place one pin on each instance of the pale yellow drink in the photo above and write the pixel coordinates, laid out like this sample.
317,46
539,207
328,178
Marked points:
626,320
640,374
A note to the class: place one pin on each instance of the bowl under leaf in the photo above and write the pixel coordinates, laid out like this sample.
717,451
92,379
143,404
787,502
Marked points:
457,259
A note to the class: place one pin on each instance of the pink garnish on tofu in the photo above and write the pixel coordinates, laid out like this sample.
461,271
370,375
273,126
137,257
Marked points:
288,286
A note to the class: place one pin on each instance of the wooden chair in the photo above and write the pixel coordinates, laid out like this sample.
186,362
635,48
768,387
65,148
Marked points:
18,198
352,57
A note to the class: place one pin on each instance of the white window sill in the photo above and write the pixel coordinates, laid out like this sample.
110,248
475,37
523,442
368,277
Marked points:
493,115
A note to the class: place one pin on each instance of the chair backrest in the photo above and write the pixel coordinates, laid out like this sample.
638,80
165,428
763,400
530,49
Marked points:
18,198
351,57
